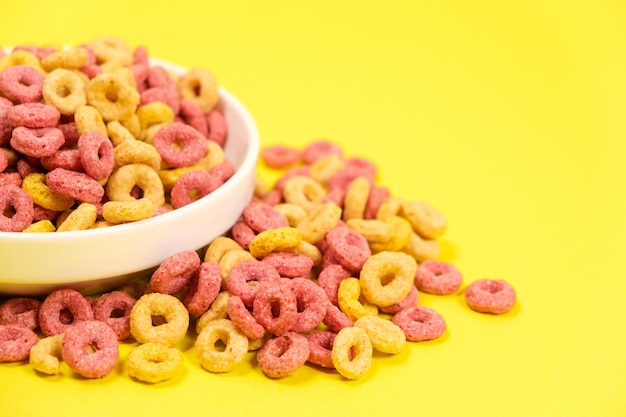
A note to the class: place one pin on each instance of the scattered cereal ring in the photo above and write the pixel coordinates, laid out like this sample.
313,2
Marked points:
96,154
352,353
325,167
242,233
243,318
81,218
154,362
280,156
179,144
214,358
355,200
21,84
319,221
80,339
20,311
312,303
199,86
399,237
20,56
88,118
37,142
304,191
261,217
203,288
320,348
115,212
33,115
352,304
35,185
411,300
16,342
386,277
386,337
72,58
245,278
111,48
422,249
125,178
65,90
425,219
113,308
283,355
329,279
218,130
437,277
420,323
230,260
218,247
494,296
46,353
289,264
217,310
294,213
133,151
192,186
175,272
318,149
275,306
192,115
61,309
113,96
336,319
156,304
77,185
348,247
377,196
13,197
280,238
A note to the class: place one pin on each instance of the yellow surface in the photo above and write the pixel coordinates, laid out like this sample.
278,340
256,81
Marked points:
508,116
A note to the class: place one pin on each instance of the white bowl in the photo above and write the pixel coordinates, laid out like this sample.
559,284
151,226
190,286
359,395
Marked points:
96,260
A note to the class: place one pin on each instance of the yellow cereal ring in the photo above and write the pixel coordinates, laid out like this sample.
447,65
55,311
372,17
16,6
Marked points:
325,167
319,222
211,356
128,211
387,277
400,235
110,48
42,226
231,259
99,224
154,362
260,187
169,176
35,185
21,57
170,308
137,152
88,118
309,250
118,133
148,135
216,249
45,354
70,59
125,178
351,353
64,90
422,249
425,219
217,310
274,240
356,199
385,336
351,302
132,124
82,218
199,85
114,67
372,230
304,191
292,212
214,156
390,207
154,113
113,96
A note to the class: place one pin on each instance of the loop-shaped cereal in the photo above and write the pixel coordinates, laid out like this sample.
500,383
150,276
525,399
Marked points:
136,152
218,247
213,357
385,336
329,279
124,179
494,296
245,278
20,311
352,304
113,96
438,277
21,84
33,115
323,169
166,306
116,212
231,259
290,264
114,308
260,217
203,288
12,197
320,148
356,198
21,57
425,219
420,323
41,226
279,239
348,247
304,191
90,348
118,133
275,306
179,144
387,277
81,218
217,310
294,213
218,129
352,353
411,300
69,59
400,235
280,156
35,185
154,362
61,309
283,355
192,115
154,113
199,85
243,318
45,354
312,304
320,348
65,90
422,249
96,154
111,48
37,142
16,342
175,272
88,118
321,220
192,186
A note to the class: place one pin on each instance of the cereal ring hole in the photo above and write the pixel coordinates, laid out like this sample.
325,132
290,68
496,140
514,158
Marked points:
493,287
66,316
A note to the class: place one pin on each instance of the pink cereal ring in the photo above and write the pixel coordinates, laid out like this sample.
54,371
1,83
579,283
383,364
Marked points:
37,142
33,115
283,355
218,130
68,159
5,125
260,217
243,318
175,272
437,277
343,178
113,308
364,166
490,296
15,342
411,300
96,154
329,279
246,278
179,144
320,348
12,196
289,264
280,156
22,84
20,311
61,309
191,114
293,172
70,133
336,319
90,348
242,233
318,149
419,323
376,197
75,184
203,288
348,247
312,303
275,306
164,95
191,186
13,178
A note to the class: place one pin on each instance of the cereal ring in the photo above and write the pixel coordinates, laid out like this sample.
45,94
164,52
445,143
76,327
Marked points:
352,353
88,118
218,130
283,355
217,310
231,259
279,239
312,303
314,227
20,311
275,306
33,115
45,354
20,56
422,249
363,166
289,264
191,114
304,191
203,288
110,48
175,272
261,217
245,278
118,133
12,178
387,277
77,185
161,94
13,197
490,296
374,231
115,212
336,319
243,318
167,306
318,149
325,167
113,308
377,196
214,358
81,218
356,198
426,221
179,144
348,247
437,277
65,90
15,342
216,249
6,128
320,348
280,156
399,237
136,152
411,300
113,96
72,58
96,154
351,302
420,323
21,84
329,279
125,178
35,185
96,336
38,142
154,362
386,337
154,113
242,233
299,171
292,212
192,186
199,86
61,309
343,178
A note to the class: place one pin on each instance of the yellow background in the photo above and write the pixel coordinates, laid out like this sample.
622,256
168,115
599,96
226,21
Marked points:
507,116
